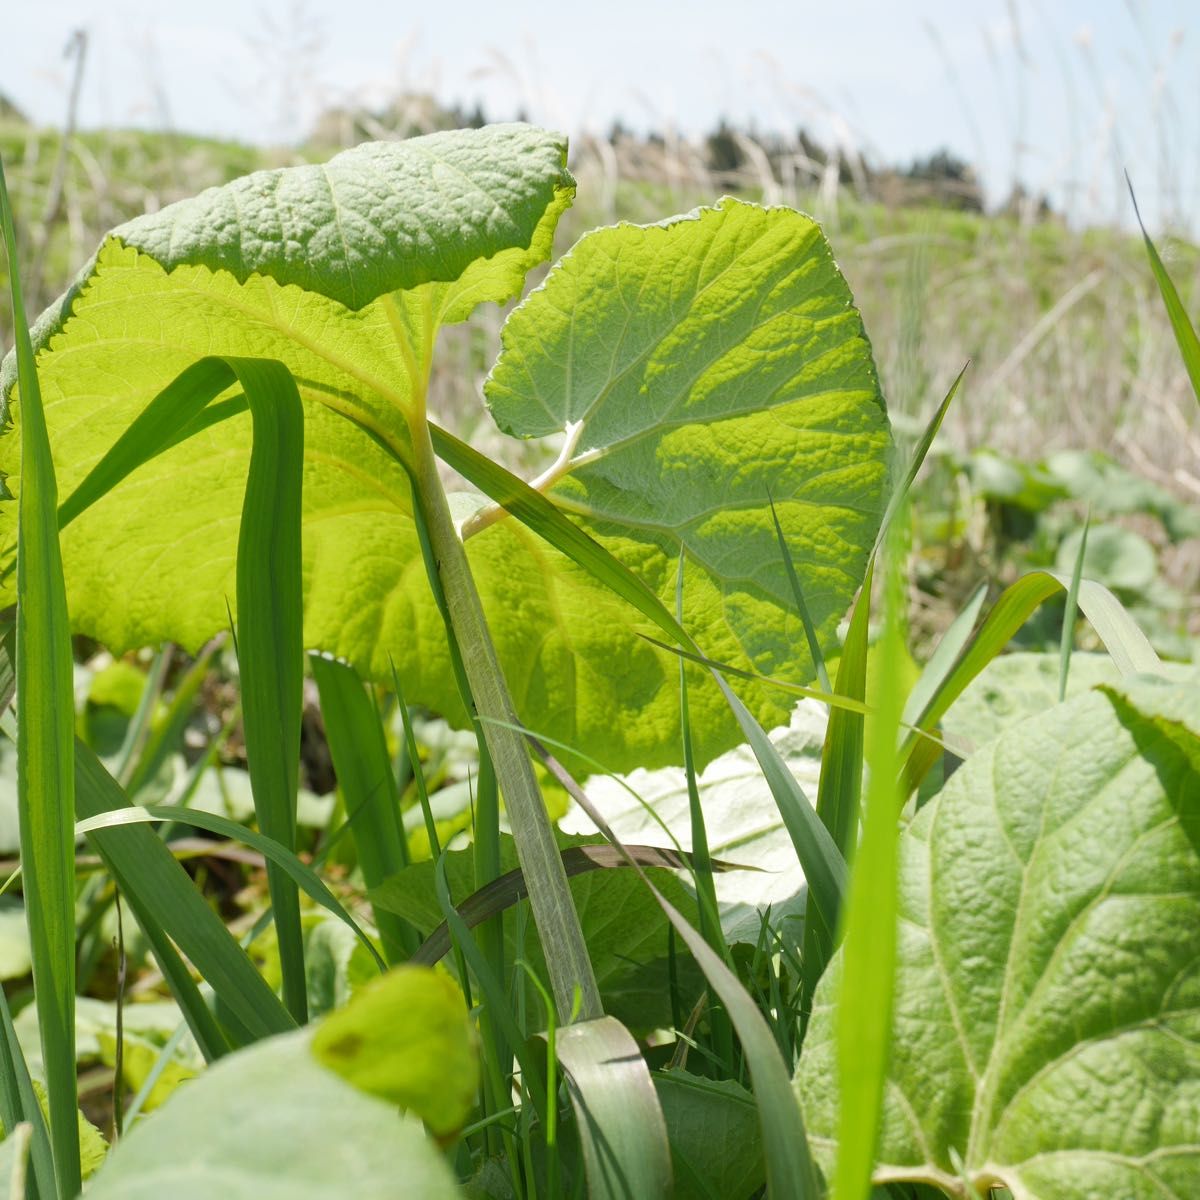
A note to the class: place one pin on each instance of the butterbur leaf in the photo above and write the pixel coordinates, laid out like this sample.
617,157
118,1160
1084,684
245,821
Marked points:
1047,1019
406,1038
699,369
729,357
270,1123
300,266
716,1143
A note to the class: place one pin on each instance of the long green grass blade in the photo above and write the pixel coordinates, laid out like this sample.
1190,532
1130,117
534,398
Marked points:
941,661
621,1126
364,774
303,877
840,787
702,874
45,745
1125,642
791,1173
810,630
21,1104
1068,630
822,862
864,1016
169,910
1185,331
566,951
270,638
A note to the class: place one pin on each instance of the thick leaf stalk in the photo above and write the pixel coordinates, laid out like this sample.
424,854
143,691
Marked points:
550,898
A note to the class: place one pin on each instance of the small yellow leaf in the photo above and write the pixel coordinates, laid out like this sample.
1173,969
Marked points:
406,1037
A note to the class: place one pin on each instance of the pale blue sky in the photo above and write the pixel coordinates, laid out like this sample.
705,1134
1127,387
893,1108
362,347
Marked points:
1062,92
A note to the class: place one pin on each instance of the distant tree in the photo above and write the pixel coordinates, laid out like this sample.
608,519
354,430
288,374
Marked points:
722,152
952,182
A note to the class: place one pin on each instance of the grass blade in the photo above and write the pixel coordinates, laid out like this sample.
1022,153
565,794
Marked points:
900,495
810,631
864,1017
1124,641
840,787
1185,331
791,1173
270,638
510,888
822,862
566,952
168,736
944,656
706,892
169,910
364,774
303,877
151,432
45,745
533,1078
1068,629
21,1103
621,1125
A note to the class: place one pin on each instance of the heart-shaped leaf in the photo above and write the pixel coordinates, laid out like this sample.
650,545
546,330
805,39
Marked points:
1047,1017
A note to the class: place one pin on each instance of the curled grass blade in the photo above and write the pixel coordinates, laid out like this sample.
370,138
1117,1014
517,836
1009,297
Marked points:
620,1121
45,745
510,888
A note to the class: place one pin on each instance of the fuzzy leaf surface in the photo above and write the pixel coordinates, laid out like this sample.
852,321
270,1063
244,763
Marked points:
701,368
1047,1018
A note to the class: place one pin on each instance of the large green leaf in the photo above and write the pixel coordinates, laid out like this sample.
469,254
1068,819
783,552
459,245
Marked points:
699,369
1047,1018
716,1143
722,355
270,1123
